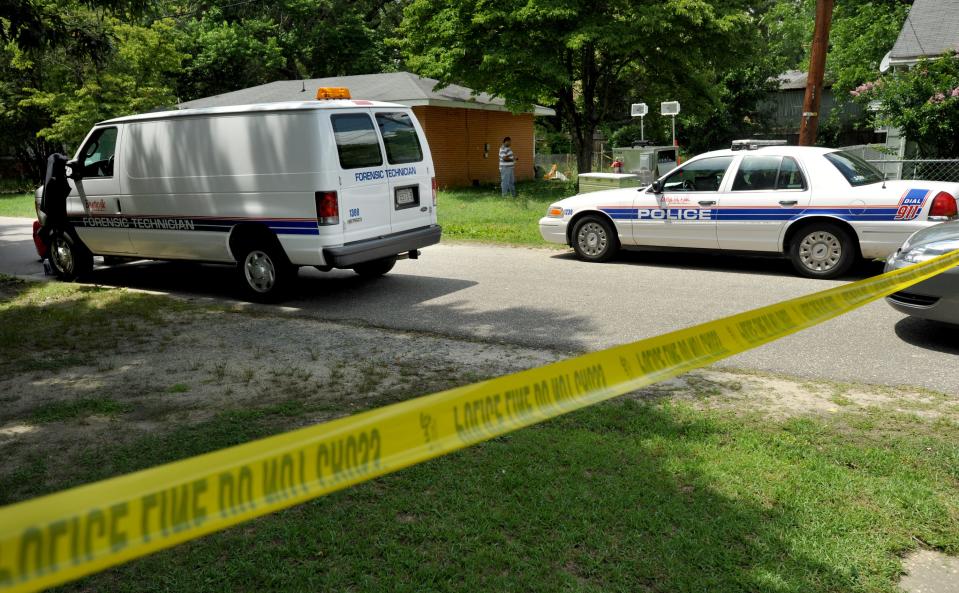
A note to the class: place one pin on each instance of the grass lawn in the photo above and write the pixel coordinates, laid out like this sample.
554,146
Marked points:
640,494
20,205
482,214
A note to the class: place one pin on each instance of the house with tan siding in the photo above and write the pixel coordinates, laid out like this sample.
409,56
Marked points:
464,128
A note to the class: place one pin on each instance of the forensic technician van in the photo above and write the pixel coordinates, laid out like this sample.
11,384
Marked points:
330,183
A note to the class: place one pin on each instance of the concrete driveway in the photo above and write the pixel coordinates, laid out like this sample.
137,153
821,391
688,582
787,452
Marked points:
549,299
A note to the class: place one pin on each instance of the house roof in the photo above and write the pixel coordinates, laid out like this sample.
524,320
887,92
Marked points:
792,80
404,88
930,30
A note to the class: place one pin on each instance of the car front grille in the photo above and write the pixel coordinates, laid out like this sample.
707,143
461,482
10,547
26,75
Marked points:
914,300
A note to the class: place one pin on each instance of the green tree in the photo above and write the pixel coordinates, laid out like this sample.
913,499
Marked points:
583,57
923,102
129,73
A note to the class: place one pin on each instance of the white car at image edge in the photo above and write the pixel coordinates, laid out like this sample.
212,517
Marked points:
822,208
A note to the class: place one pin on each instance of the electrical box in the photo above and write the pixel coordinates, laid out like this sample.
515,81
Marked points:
590,182
648,163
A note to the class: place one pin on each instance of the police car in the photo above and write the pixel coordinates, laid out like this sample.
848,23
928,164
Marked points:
822,208
330,183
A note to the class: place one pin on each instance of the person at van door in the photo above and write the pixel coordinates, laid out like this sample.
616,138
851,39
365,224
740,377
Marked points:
507,163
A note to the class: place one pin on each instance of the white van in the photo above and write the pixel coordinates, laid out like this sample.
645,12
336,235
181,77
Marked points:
328,183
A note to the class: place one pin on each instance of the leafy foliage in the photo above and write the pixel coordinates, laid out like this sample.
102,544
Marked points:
69,64
923,102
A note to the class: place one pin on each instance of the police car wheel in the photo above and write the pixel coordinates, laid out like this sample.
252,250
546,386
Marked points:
822,251
375,268
68,257
594,239
264,273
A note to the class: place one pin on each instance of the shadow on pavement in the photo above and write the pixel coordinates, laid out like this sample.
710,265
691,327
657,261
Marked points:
311,289
763,265
930,335
399,301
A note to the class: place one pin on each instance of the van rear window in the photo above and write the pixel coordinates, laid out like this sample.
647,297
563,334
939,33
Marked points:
356,141
400,138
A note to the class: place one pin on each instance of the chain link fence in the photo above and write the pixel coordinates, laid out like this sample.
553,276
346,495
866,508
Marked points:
896,168
566,163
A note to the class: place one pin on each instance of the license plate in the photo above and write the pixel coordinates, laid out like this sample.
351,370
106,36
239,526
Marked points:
404,196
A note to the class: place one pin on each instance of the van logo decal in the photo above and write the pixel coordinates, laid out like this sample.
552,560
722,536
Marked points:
384,174
280,226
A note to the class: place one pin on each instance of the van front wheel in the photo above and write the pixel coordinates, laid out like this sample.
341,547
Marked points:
375,268
264,273
69,258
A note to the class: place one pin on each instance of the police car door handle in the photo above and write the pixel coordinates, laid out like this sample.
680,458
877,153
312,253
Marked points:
707,202
788,202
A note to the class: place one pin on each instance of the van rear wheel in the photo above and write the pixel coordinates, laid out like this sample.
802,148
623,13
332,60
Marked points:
69,258
375,268
265,273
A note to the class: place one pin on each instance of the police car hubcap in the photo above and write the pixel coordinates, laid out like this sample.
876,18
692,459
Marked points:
592,239
820,251
259,270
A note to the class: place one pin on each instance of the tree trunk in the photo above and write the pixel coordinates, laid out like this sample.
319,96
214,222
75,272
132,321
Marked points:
583,145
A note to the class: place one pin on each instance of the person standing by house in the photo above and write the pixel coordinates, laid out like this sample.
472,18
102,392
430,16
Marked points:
507,165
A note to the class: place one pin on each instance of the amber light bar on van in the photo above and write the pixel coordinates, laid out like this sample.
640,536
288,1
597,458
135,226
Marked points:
327,208
332,92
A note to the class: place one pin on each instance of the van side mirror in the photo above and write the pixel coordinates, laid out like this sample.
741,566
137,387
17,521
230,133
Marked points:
74,170
657,187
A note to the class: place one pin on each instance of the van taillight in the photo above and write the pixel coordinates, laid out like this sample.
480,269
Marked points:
327,208
943,206
434,191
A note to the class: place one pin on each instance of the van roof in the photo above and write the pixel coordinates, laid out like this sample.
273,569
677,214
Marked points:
258,108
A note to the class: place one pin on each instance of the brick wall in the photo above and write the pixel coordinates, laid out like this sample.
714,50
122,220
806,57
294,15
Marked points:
457,138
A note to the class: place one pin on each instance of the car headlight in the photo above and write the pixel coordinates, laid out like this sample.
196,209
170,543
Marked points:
923,253
554,212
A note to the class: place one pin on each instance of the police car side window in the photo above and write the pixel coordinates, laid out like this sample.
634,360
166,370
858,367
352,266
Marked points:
701,175
790,175
356,141
399,137
757,173
98,153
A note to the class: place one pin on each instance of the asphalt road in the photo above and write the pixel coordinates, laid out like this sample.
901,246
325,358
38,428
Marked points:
547,298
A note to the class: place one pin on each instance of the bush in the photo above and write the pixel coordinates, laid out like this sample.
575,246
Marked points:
923,102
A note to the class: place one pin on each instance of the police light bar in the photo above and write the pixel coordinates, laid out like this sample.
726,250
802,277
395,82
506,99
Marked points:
755,144
332,92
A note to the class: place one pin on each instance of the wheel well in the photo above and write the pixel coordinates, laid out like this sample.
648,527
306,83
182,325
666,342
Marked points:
251,232
799,225
579,215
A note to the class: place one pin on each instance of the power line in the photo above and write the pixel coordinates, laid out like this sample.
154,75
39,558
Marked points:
914,33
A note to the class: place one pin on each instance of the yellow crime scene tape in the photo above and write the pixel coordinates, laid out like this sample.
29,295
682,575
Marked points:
60,537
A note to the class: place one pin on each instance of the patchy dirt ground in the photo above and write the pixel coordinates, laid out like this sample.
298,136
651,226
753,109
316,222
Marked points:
195,363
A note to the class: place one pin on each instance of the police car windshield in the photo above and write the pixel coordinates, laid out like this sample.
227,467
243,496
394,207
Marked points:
856,171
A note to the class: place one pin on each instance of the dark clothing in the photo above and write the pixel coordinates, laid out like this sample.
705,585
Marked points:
53,200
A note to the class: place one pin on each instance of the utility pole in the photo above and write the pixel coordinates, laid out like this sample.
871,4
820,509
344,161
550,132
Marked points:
817,68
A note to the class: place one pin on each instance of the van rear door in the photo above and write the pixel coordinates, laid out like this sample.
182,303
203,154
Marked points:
408,170
364,200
